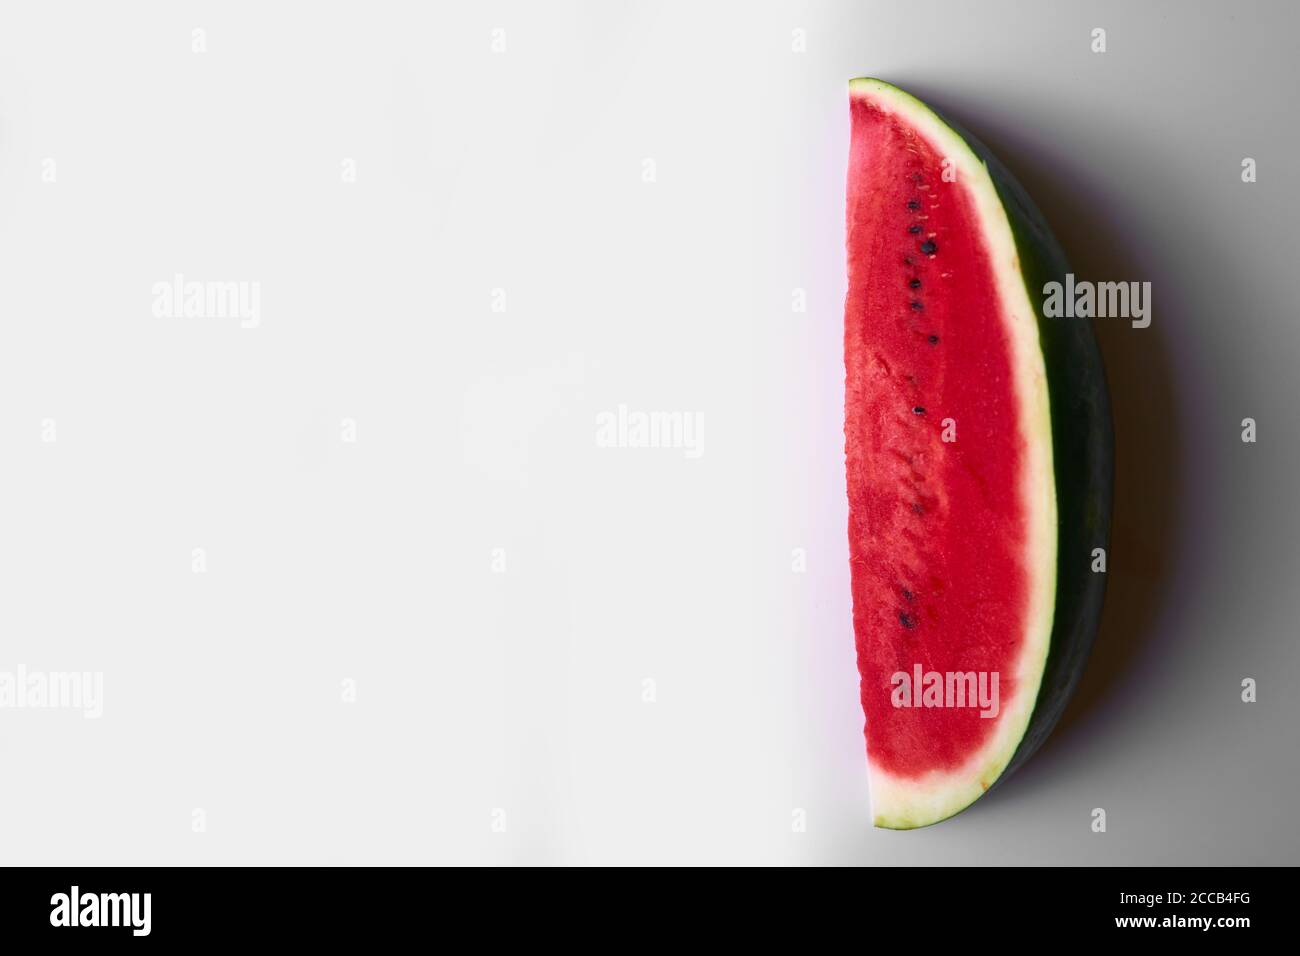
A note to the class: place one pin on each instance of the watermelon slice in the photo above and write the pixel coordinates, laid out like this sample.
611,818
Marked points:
979,457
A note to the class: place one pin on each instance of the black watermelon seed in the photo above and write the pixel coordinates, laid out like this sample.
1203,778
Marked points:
919,410
916,507
929,247
914,205
934,340
907,594
905,619
914,229
914,284
916,305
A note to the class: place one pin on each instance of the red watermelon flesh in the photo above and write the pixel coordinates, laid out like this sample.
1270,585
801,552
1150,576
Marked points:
952,502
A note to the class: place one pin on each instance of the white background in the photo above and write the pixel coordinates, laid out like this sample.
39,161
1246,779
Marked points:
372,561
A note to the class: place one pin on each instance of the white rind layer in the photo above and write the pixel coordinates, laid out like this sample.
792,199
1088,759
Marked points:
903,803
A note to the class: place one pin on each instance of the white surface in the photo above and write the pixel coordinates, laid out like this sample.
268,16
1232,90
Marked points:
476,429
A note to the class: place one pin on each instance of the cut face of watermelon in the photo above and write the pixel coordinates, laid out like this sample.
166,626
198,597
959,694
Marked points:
954,392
